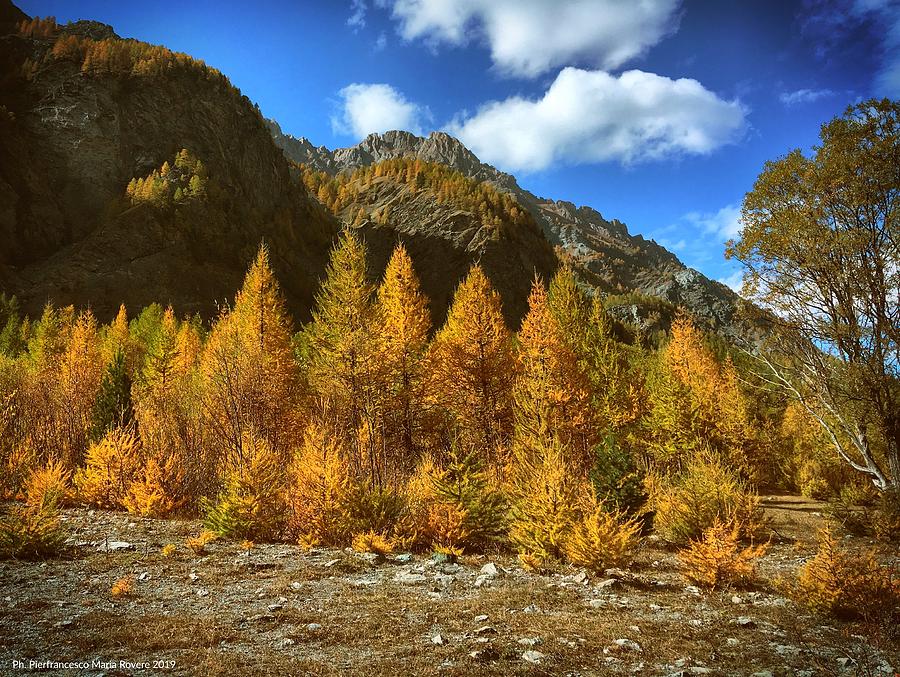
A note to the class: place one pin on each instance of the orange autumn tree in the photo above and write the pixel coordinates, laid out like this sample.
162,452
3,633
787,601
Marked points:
404,324
76,387
698,402
345,361
249,376
473,367
168,415
549,372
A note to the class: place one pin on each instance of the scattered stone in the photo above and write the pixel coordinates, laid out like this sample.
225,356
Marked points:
275,607
490,569
296,585
628,645
438,640
404,558
532,656
202,592
530,641
373,558
486,630
194,577
737,600
531,609
731,641
114,546
745,622
145,576
608,583
786,650
614,573
698,670
483,580
597,603
444,580
443,557
481,618
845,661
331,563
580,577
634,628
314,627
410,578
692,589
287,641
763,673
64,624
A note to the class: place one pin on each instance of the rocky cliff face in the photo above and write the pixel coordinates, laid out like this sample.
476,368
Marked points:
73,136
606,254
443,240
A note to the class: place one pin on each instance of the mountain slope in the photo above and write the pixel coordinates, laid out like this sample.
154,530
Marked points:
83,113
606,254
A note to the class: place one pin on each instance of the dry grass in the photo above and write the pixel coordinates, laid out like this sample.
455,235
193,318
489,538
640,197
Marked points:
241,626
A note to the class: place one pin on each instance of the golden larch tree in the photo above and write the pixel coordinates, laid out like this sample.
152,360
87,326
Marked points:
473,367
404,323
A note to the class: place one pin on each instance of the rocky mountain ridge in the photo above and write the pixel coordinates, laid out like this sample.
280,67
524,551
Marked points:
603,250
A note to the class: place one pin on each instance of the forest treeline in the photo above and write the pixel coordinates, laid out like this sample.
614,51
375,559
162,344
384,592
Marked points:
467,437
352,189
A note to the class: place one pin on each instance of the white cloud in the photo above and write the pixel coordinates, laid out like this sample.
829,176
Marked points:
804,96
530,37
371,108
592,116
725,224
380,41
357,18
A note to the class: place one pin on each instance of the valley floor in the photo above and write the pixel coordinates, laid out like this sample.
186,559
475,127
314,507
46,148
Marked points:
282,611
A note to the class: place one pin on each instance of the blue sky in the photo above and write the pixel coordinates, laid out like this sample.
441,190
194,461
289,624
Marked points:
659,113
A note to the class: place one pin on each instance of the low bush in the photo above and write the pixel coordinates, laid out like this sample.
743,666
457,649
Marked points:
251,506
111,466
848,584
688,503
718,559
602,539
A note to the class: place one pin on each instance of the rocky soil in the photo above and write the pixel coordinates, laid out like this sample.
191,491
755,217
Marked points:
274,609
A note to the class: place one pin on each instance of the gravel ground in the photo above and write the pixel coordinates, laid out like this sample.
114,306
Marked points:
276,609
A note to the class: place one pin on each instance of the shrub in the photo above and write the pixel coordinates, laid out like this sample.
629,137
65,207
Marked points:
690,502
602,539
616,477
717,559
168,550
112,464
198,543
251,506
848,584
155,492
372,541
886,521
48,485
321,491
455,506
30,532
123,587
375,510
